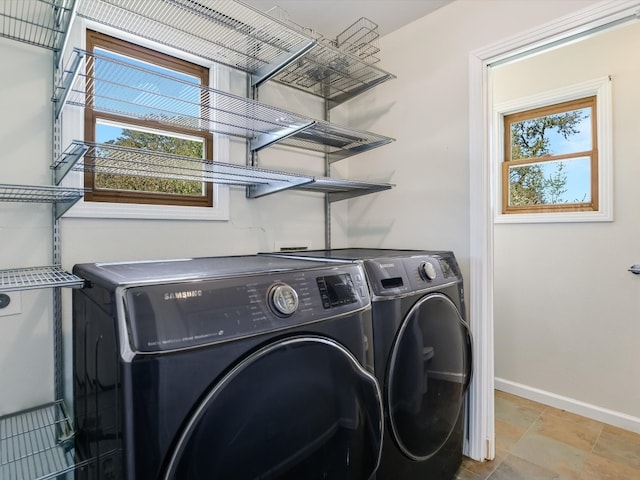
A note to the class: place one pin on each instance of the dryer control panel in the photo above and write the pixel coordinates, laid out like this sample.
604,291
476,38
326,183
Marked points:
186,314
402,275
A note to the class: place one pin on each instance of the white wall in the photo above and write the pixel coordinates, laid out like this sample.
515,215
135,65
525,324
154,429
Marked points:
567,312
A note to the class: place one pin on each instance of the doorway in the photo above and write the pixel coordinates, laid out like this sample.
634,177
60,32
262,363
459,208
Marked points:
484,282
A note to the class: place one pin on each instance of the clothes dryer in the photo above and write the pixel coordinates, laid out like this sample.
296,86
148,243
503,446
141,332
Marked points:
224,368
422,356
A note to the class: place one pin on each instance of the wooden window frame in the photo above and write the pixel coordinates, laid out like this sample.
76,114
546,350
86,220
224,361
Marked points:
91,117
593,204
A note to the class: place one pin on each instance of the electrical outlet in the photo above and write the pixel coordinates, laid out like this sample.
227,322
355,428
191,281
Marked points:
10,303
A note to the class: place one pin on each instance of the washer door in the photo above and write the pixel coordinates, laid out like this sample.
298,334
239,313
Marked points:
429,372
300,408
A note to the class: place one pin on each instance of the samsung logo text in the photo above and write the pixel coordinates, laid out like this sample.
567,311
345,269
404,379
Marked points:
183,295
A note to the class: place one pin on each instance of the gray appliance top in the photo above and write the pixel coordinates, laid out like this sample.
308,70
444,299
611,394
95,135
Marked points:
162,271
353,254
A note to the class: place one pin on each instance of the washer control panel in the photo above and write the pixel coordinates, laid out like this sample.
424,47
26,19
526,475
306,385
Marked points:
163,317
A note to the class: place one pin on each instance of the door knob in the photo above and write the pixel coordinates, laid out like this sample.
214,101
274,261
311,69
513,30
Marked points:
635,269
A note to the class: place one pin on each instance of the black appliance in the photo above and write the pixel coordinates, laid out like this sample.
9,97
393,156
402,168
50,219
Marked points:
422,356
243,367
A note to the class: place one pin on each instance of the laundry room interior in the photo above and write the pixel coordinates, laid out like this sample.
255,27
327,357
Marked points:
546,303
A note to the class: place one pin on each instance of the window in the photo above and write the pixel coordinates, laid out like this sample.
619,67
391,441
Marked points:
577,170
104,125
551,159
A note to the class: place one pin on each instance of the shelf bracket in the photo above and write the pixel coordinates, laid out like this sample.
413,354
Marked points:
68,161
347,152
267,139
61,207
338,196
257,191
339,99
67,82
281,62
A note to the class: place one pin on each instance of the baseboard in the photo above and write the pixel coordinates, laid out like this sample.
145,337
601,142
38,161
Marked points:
604,415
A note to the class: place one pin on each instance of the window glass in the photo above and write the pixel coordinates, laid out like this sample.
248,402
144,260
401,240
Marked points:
551,158
143,101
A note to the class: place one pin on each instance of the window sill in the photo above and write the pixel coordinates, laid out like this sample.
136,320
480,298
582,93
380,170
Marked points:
556,217
220,212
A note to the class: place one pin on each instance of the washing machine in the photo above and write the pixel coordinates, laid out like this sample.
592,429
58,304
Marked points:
231,368
422,356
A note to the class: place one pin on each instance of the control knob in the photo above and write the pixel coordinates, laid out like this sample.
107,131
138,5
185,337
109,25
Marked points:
283,299
427,271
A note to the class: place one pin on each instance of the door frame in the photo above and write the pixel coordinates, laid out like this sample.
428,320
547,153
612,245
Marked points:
601,15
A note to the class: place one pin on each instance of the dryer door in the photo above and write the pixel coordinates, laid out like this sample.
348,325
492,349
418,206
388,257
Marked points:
429,372
300,408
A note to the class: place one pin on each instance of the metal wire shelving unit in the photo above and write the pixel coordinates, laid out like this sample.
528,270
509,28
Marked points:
42,23
37,443
107,84
234,34
113,159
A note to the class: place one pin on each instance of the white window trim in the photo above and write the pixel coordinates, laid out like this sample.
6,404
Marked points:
601,88
72,129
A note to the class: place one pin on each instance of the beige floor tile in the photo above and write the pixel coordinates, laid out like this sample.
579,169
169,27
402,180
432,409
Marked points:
579,419
464,474
619,446
515,468
599,468
483,469
567,431
551,454
517,413
507,435
525,402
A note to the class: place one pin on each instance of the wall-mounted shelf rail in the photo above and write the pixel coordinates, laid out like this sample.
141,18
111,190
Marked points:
111,85
62,197
36,443
119,160
37,277
42,23
234,34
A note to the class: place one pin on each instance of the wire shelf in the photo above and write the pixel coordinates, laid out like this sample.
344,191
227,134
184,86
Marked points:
37,22
234,34
62,197
85,156
36,443
37,277
39,194
117,86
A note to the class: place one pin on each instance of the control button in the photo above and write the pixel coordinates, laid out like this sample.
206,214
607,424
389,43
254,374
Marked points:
283,299
427,271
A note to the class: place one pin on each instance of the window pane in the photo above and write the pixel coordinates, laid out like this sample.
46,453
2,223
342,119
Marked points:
146,140
549,183
123,88
556,134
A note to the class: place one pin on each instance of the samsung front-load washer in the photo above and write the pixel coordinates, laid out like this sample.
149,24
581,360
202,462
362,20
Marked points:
231,368
422,356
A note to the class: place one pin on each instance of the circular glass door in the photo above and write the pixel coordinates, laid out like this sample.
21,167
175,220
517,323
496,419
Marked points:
300,408
429,372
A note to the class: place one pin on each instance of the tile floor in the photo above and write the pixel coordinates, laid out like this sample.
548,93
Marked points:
537,442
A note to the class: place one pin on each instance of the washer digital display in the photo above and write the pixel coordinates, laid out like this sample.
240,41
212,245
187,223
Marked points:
336,290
